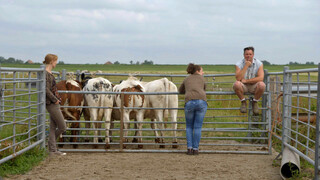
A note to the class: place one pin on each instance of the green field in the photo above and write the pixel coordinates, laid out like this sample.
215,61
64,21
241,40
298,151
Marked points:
163,69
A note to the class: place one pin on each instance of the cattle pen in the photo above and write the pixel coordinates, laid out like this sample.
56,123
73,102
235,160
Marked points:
289,112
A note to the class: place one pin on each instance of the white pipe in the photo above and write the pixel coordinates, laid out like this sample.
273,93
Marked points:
290,163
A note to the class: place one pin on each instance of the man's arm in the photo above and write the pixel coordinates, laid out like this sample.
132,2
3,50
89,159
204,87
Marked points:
259,77
241,72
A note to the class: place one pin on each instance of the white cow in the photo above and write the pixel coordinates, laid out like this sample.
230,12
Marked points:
98,100
153,101
162,101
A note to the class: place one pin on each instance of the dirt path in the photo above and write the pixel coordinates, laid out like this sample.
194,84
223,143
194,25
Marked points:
154,166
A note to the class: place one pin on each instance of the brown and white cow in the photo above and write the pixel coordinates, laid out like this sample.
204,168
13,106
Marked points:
154,101
98,100
131,101
69,99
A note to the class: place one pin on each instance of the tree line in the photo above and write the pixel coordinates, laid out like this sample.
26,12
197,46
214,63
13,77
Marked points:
12,60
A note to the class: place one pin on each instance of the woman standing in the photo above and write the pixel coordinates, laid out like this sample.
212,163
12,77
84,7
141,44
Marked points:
195,108
57,124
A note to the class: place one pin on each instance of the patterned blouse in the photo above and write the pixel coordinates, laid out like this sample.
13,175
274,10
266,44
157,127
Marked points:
52,95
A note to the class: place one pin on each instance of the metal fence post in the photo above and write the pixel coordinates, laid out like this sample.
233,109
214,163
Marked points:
41,119
264,100
78,75
63,76
317,154
286,112
121,121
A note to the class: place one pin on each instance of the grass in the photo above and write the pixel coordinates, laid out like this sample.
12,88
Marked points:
23,163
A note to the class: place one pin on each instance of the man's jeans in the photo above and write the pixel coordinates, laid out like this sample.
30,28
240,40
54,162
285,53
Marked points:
195,111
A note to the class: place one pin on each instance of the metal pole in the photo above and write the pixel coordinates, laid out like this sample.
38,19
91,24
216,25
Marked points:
121,121
78,75
14,112
286,113
316,154
41,119
63,76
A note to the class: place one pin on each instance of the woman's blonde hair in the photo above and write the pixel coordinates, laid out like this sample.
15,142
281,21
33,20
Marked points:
50,58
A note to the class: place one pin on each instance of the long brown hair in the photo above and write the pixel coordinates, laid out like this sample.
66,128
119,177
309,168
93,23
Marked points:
50,58
192,68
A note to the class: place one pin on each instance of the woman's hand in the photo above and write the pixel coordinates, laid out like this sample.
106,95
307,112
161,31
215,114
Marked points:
58,102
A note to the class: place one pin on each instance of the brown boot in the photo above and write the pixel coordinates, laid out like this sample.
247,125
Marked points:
255,107
243,108
195,152
189,152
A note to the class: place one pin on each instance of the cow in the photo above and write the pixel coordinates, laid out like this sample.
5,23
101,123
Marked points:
162,101
98,84
131,101
69,99
153,101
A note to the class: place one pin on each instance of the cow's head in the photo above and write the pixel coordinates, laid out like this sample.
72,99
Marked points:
84,79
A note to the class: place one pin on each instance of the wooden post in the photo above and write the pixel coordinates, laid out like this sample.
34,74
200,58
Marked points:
274,86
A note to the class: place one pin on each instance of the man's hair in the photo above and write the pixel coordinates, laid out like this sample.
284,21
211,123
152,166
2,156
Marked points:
248,48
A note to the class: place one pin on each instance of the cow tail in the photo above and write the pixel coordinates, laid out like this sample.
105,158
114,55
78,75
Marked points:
166,111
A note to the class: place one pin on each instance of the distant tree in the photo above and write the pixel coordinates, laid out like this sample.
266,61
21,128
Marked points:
131,62
146,62
137,63
117,62
293,63
60,62
11,60
266,63
310,63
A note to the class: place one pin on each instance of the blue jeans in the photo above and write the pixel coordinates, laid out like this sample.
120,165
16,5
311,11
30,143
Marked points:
194,110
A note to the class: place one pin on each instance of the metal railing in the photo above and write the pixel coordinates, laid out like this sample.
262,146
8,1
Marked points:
22,117
289,112
295,107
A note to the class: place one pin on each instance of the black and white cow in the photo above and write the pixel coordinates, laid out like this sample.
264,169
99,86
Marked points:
98,100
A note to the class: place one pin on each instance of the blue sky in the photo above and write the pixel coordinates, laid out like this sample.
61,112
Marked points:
164,31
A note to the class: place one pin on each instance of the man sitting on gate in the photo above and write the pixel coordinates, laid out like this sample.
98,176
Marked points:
249,76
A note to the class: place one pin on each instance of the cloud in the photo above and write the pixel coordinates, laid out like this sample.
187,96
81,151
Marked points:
161,30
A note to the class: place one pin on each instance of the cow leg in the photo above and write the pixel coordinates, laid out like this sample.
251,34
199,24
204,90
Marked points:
61,139
94,117
154,126
125,127
139,124
107,115
135,140
159,118
87,124
173,114
75,133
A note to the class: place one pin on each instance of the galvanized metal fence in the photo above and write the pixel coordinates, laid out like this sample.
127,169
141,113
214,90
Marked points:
225,129
289,110
22,118
295,107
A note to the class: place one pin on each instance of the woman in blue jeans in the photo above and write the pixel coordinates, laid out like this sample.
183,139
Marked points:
194,88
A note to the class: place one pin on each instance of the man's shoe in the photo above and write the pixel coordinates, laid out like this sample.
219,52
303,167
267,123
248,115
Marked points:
189,152
195,152
255,107
243,108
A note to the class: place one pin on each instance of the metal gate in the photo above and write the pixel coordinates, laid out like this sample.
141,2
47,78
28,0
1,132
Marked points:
225,129
22,118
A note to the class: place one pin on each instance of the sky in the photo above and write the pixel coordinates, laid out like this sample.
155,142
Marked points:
162,31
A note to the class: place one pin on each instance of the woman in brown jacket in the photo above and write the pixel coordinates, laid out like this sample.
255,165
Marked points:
57,124
195,108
